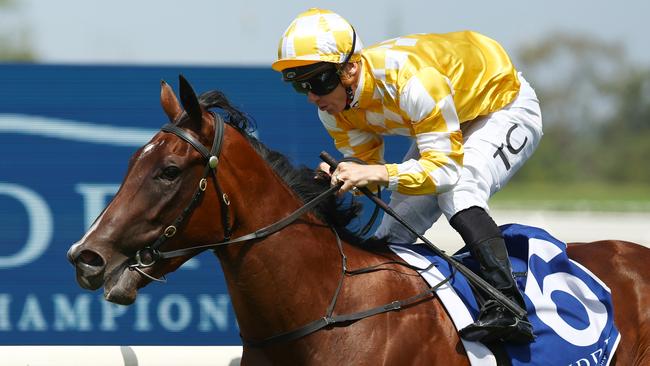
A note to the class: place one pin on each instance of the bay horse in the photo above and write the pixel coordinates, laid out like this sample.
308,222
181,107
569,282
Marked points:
284,276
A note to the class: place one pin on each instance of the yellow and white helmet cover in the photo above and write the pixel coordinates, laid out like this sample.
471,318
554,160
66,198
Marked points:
314,36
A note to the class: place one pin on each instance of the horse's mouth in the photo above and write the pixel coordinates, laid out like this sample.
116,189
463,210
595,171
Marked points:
87,279
121,286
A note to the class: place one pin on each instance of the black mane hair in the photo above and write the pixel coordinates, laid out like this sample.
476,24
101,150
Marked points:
305,182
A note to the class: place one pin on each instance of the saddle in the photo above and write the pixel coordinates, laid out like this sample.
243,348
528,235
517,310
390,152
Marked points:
569,307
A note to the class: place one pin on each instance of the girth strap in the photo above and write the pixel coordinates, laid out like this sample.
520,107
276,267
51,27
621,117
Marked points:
329,320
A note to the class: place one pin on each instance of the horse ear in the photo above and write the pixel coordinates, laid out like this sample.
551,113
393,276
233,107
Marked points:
169,102
190,101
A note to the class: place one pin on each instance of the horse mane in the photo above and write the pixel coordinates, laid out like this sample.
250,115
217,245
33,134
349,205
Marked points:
305,182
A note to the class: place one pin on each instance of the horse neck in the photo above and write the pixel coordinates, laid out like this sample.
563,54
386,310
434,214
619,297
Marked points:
262,276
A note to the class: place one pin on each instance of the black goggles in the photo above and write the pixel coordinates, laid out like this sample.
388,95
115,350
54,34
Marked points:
321,78
321,84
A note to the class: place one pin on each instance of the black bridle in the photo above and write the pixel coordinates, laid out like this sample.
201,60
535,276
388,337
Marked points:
148,256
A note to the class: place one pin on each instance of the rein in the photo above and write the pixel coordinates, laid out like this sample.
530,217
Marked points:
148,256
330,320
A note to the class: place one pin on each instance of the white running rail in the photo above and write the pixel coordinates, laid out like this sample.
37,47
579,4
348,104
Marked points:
120,355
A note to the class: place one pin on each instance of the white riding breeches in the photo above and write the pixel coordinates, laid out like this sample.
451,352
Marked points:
495,147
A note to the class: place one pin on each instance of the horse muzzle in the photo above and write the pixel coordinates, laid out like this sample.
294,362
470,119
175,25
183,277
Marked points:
90,266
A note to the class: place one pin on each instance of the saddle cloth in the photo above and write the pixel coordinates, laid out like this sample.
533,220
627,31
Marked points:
569,307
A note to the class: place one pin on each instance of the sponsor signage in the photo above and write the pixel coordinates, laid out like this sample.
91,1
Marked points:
66,134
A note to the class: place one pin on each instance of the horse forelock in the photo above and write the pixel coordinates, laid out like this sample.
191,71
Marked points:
300,179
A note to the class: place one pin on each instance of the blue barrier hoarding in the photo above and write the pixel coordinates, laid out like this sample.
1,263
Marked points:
66,134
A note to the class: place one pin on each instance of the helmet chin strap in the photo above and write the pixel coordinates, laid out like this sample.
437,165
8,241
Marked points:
348,90
349,96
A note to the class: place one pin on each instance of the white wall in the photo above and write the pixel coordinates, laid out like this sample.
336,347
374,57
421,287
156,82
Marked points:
118,356
565,226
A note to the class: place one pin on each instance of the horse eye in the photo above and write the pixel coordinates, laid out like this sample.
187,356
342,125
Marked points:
170,172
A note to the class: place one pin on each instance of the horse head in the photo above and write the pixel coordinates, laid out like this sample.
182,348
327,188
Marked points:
153,203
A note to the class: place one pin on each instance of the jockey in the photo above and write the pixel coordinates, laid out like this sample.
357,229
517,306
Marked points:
472,118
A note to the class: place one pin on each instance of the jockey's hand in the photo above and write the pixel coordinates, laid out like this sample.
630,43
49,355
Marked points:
323,166
357,175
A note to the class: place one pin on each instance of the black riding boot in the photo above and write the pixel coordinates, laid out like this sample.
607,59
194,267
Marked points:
486,244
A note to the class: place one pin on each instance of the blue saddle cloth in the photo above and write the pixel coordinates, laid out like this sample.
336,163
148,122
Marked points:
569,307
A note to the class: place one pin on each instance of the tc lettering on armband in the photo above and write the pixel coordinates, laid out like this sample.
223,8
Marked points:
514,151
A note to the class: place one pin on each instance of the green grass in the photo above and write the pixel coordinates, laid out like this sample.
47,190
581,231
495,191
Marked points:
574,196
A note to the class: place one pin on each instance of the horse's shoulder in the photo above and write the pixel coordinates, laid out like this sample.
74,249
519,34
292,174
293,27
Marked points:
371,252
379,263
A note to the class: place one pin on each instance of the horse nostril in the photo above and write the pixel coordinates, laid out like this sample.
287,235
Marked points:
90,258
